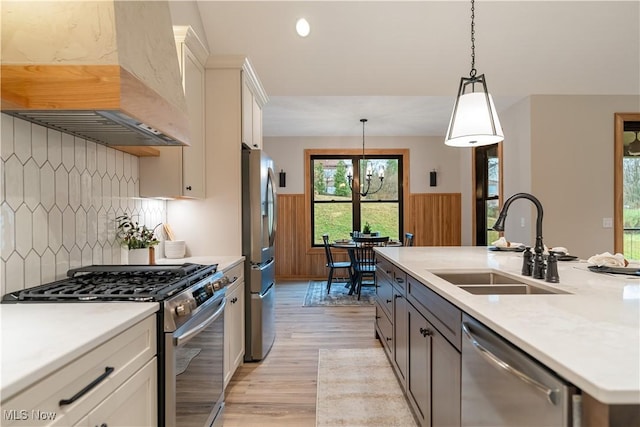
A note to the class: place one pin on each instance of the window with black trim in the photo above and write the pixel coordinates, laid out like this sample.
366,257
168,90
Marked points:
338,211
487,194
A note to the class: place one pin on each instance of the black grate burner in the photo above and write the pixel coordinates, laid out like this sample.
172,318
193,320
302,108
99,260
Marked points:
118,283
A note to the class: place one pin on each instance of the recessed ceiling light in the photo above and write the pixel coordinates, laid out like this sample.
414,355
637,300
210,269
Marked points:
302,27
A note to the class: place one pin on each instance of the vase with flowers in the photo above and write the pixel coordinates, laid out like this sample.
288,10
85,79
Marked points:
138,241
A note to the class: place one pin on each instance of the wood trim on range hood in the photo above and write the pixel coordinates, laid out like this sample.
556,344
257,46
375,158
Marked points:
95,70
98,102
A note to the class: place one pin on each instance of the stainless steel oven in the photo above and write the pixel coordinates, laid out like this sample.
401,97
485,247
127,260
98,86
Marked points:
190,325
194,377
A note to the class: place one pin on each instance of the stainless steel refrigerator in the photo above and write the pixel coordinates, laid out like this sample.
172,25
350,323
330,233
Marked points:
258,236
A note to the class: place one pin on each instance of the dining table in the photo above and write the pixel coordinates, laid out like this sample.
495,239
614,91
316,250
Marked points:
350,245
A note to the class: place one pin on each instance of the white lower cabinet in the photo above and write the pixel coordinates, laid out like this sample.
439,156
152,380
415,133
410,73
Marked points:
134,403
113,384
234,323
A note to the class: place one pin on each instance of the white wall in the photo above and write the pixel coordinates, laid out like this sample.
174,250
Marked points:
572,143
516,152
426,154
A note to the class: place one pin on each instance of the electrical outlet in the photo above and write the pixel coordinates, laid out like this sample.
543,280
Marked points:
521,221
607,222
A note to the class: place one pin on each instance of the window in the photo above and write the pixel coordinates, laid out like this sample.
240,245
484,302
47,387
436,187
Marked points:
338,211
627,185
487,194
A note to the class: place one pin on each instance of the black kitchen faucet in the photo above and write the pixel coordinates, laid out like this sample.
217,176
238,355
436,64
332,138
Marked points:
538,259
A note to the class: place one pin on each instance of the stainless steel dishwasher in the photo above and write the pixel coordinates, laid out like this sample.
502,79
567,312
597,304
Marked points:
502,386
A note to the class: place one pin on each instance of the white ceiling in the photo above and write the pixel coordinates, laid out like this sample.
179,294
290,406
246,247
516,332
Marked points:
399,63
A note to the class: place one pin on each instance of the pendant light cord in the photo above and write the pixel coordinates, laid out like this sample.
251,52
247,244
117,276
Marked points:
473,71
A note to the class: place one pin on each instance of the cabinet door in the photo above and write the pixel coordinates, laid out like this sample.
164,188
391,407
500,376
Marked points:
446,379
247,113
234,330
400,336
193,179
256,119
134,403
180,171
419,375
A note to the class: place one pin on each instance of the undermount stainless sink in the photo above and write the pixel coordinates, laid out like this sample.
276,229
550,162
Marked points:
492,283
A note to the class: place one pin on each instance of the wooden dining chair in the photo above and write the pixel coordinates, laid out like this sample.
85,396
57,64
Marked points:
364,261
408,239
333,265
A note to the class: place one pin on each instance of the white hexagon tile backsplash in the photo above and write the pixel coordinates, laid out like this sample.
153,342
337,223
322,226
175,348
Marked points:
60,196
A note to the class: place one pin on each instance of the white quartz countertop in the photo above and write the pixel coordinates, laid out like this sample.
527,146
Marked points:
589,336
224,262
38,339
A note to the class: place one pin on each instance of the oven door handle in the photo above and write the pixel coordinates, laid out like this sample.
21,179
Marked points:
190,333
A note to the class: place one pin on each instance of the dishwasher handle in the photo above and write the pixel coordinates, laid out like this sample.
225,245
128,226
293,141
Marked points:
501,364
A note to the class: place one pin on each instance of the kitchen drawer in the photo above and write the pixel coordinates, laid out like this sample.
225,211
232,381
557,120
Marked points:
384,267
396,275
236,277
384,293
446,317
237,271
400,279
385,329
126,353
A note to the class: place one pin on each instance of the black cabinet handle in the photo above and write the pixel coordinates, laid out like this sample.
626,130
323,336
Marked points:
396,296
234,300
107,371
389,301
388,339
188,187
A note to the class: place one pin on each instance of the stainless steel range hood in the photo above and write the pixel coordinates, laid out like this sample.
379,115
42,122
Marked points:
106,71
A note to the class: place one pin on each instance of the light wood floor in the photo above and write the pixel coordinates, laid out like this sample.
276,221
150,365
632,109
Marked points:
281,390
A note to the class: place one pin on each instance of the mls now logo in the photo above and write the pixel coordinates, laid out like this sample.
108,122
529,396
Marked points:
15,415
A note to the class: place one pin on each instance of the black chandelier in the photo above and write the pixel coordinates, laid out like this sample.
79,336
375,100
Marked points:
366,170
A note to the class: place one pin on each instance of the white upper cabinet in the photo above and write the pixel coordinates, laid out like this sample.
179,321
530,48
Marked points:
180,171
253,99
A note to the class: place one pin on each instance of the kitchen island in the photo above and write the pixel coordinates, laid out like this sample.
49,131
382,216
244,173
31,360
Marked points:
589,333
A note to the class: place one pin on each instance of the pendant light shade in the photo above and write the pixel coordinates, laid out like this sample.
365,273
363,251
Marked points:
474,120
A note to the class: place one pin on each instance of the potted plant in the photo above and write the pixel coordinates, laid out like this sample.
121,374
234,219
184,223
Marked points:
366,230
137,240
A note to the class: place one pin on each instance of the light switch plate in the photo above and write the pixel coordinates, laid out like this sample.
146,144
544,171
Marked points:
607,222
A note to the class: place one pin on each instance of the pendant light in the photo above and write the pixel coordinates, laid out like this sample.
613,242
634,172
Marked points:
366,172
474,121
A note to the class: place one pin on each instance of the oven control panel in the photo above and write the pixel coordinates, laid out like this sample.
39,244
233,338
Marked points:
183,305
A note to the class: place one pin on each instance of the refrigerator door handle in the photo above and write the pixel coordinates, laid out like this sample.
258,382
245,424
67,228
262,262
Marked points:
264,265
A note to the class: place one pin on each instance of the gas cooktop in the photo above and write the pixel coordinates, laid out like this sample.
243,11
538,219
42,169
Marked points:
117,283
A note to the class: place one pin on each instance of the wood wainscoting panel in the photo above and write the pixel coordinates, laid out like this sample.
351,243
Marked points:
292,257
435,219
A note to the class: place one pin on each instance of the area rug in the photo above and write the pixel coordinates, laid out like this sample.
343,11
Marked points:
357,388
317,296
